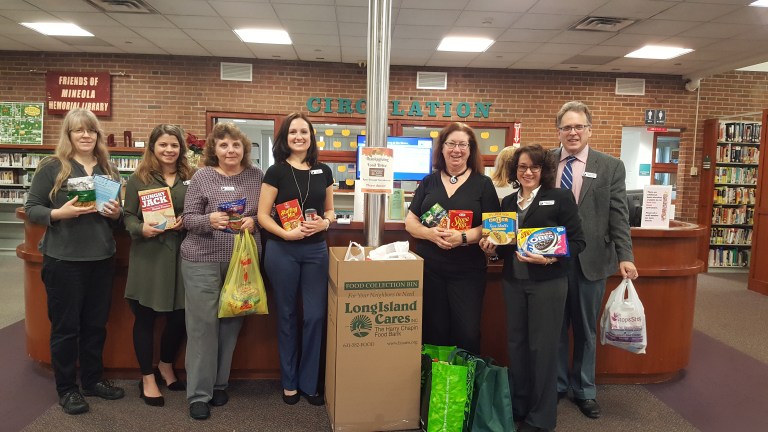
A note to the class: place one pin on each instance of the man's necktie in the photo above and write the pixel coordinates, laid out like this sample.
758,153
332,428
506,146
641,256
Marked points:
566,180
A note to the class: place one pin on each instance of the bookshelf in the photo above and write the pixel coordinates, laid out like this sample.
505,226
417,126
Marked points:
17,167
758,270
729,190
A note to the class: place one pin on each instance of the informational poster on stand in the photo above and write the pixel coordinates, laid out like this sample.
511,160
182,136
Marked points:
376,170
21,122
657,206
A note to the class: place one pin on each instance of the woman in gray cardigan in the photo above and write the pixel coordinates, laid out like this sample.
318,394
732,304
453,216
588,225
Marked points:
154,285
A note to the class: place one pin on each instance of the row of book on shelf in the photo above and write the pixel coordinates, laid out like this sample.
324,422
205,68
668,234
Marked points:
15,196
733,215
741,175
737,154
15,177
734,195
731,236
748,132
728,257
30,160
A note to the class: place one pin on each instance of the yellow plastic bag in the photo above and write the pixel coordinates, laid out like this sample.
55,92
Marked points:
243,291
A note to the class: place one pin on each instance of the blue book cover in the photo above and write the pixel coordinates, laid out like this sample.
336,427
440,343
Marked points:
106,189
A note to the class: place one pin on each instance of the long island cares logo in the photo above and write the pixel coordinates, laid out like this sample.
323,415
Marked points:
360,326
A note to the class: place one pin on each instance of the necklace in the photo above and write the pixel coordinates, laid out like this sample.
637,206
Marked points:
455,178
309,179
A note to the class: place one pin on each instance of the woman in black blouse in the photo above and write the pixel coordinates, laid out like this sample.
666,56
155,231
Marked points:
454,265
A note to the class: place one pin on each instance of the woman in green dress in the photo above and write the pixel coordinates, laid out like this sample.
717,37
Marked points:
154,285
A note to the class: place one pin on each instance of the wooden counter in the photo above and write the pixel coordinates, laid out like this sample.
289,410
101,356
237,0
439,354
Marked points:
666,261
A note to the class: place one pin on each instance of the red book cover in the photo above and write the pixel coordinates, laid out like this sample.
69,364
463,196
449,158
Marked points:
290,214
156,206
460,220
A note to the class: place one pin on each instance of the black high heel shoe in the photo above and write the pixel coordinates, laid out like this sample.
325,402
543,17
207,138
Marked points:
174,386
157,401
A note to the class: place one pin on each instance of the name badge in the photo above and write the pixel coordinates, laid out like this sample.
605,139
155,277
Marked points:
548,202
228,188
186,182
590,175
316,171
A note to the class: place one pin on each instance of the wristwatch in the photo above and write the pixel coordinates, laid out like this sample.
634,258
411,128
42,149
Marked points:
464,239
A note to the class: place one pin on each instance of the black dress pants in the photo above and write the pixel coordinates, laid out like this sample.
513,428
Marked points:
79,296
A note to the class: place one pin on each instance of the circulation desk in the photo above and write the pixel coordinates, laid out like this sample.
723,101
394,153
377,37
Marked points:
666,261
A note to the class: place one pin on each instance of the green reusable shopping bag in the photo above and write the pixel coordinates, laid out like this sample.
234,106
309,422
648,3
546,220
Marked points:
491,401
448,397
438,352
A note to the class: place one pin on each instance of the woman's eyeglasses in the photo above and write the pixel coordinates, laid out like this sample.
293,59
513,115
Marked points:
81,131
523,168
453,145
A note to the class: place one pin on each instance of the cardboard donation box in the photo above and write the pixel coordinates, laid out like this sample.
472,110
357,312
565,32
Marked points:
373,365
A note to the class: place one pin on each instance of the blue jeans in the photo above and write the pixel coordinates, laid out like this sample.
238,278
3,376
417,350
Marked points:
299,269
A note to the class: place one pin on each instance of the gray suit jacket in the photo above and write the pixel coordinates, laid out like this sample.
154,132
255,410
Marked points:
604,216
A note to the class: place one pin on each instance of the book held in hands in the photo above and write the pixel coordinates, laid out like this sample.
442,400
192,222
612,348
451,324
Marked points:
290,214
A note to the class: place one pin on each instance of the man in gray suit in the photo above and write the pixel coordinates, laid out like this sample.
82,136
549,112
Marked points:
597,182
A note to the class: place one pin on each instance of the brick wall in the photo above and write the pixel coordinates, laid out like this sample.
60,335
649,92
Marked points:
161,89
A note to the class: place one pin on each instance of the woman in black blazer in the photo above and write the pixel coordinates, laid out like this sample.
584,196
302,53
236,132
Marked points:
535,287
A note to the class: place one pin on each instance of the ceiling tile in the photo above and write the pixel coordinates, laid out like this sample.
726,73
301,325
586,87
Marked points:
16,5
514,47
421,16
688,42
217,36
630,40
313,27
632,8
422,32
352,14
139,20
305,12
86,20
198,22
238,23
434,4
746,15
485,19
659,27
500,6
581,37
546,21
581,7
19,16
283,52
553,48
246,9
186,7
695,12
161,33
490,33
353,29
314,39
226,50
62,5
13,45
522,35
415,44
602,50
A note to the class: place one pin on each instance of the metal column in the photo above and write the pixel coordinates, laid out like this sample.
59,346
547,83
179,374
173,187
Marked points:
377,103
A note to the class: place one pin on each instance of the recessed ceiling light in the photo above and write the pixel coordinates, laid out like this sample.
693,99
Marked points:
264,36
760,3
658,52
57,29
465,44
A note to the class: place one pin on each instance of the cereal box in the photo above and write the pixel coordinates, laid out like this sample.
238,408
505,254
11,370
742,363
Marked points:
460,220
156,206
290,214
548,241
435,216
499,227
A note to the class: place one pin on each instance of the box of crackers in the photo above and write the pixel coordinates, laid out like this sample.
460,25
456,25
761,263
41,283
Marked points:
499,227
436,216
547,241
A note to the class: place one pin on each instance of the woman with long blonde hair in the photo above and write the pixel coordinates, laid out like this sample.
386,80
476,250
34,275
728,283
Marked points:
502,180
78,259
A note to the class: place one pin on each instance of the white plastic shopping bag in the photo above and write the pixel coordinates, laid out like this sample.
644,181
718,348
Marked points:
623,320
392,251
355,252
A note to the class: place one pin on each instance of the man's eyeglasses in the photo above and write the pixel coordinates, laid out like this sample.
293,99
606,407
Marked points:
453,145
577,128
81,131
523,168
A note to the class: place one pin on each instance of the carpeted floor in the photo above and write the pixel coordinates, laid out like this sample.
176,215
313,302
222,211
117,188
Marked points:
725,387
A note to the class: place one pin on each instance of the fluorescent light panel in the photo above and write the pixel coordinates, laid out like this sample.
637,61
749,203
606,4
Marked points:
657,52
760,3
264,36
57,29
465,44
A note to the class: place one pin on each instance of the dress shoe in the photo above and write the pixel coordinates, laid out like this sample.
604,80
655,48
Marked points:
291,399
316,399
174,386
105,390
220,397
73,402
199,410
157,401
588,407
